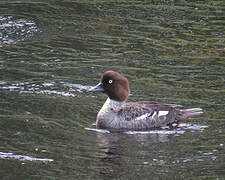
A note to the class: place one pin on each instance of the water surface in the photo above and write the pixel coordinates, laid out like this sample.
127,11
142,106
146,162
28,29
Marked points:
52,51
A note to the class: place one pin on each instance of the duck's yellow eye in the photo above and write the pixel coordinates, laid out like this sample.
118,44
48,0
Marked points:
110,81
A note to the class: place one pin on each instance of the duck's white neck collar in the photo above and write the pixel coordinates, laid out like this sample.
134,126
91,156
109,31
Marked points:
113,103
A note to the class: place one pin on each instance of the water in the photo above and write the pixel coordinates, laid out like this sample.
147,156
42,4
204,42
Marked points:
51,52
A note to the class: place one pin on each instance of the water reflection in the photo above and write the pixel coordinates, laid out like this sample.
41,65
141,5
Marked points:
118,146
116,149
13,30
172,52
5,155
180,129
46,88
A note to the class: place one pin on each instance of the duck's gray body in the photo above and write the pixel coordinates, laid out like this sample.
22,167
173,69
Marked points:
141,115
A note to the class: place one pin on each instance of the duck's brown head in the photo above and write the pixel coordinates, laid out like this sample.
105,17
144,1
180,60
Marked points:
114,85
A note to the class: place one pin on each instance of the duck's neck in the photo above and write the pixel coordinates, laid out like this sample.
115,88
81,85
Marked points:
112,104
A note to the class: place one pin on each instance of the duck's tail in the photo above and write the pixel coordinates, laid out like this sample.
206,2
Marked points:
186,113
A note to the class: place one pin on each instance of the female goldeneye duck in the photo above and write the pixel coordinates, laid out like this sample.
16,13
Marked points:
117,114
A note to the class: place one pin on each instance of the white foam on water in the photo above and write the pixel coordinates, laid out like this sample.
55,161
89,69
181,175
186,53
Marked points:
181,129
97,130
5,155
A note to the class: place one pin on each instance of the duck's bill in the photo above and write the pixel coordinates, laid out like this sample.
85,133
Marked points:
97,88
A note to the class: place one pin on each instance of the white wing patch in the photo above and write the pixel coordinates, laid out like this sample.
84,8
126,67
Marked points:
144,116
153,115
163,113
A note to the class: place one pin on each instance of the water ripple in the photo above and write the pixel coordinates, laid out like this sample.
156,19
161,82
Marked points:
15,30
182,127
46,88
4,155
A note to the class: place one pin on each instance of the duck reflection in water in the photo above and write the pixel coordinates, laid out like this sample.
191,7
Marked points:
119,150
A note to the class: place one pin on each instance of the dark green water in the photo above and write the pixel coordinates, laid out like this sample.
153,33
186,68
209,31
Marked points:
52,50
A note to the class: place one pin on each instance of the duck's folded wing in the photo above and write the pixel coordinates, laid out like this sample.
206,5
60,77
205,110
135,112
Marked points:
147,115
134,111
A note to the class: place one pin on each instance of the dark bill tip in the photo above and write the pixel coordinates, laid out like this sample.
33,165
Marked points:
97,88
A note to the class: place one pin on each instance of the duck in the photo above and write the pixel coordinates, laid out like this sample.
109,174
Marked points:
119,115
